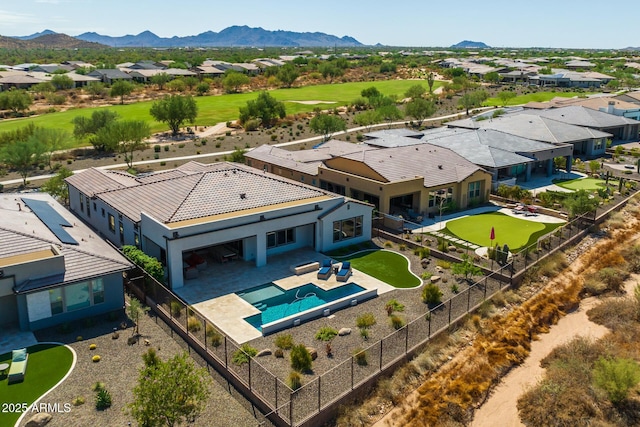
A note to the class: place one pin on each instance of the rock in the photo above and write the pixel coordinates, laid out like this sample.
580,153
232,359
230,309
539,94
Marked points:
424,262
438,269
313,352
38,420
434,279
344,331
452,248
264,352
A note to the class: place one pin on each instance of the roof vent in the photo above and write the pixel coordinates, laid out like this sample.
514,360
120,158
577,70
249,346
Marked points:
439,166
243,195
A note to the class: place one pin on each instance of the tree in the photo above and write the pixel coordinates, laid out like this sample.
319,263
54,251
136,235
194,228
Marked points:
466,267
202,88
128,135
265,108
237,156
190,82
505,96
15,100
616,377
43,88
96,90
90,126
22,156
326,125
389,113
581,202
368,119
175,110
160,80
121,88
134,310
431,79
62,82
472,99
234,80
370,92
420,109
330,71
288,74
415,92
52,139
57,187
169,393
493,77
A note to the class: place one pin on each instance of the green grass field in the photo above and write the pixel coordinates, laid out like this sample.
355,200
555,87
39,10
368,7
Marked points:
387,266
216,109
583,183
515,232
535,97
47,364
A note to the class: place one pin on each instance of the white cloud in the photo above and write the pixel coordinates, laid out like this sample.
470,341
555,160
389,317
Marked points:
48,1
14,18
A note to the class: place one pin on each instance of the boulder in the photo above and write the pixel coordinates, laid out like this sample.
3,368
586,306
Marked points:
264,352
344,331
435,279
38,420
313,352
438,268
424,262
452,248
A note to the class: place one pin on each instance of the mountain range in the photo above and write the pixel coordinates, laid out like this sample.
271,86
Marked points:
235,36
46,40
468,44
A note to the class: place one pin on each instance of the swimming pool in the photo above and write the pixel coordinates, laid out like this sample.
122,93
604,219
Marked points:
281,308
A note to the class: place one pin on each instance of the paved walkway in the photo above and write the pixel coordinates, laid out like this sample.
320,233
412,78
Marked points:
13,338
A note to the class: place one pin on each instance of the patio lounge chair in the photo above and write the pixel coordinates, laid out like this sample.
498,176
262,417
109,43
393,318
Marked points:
325,269
18,365
345,271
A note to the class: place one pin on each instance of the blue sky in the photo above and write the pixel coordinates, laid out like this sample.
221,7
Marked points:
498,23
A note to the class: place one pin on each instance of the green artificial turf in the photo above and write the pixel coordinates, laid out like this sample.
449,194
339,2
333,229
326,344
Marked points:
535,97
387,266
46,366
515,232
222,108
583,183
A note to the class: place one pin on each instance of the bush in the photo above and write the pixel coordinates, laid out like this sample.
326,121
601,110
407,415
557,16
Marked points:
454,288
176,309
431,294
78,401
95,358
300,358
365,321
364,333
388,244
326,333
92,346
426,275
243,354
393,305
193,324
443,264
278,353
251,125
294,380
166,148
284,341
360,357
103,399
616,377
215,337
156,148
148,263
396,321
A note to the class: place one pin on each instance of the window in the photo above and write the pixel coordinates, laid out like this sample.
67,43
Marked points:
136,240
474,189
280,238
55,298
88,207
97,290
112,223
95,208
347,228
597,144
441,195
103,212
81,202
77,296
121,229
334,188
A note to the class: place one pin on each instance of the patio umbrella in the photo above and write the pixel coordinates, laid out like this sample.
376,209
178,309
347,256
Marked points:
492,236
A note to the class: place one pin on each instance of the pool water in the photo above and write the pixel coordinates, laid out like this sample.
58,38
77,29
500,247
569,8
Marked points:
276,303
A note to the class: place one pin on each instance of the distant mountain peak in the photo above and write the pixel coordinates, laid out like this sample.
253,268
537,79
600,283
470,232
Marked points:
468,44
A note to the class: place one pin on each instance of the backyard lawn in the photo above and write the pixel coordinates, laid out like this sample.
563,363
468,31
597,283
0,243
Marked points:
222,108
583,183
515,232
387,266
46,366
535,97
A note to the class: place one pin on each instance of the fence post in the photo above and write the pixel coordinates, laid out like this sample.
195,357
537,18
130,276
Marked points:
429,333
450,305
291,407
250,359
319,393
380,365
468,299
406,339
276,384
485,289
352,372
226,358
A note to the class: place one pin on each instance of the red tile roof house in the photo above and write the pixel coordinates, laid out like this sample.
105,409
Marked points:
225,209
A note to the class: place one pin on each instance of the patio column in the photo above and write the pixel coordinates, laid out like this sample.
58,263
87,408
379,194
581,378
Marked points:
569,160
527,173
261,249
550,167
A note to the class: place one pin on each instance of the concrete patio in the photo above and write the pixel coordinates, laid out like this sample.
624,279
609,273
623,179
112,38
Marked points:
212,293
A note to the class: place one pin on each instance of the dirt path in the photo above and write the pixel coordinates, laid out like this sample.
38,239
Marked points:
501,405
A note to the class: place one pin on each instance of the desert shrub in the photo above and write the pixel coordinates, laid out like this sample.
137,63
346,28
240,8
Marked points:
326,333
96,358
278,353
244,354
215,337
77,401
443,264
616,377
92,346
393,305
443,246
284,341
553,264
388,244
426,275
431,294
454,288
193,324
396,321
103,399
615,314
360,357
594,286
364,333
176,309
300,358
97,386
486,308
365,321
294,380
613,278
402,247
151,358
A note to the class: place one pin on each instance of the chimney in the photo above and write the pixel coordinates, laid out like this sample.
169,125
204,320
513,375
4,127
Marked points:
611,106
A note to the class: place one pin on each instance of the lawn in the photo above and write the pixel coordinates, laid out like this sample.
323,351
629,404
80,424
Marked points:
515,232
47,365
387,266
222,108
533,97
583,183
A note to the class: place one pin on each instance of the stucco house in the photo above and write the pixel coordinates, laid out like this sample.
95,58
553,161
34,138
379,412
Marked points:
53,268
221,212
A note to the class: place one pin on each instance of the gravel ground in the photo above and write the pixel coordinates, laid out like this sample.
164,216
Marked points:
118,370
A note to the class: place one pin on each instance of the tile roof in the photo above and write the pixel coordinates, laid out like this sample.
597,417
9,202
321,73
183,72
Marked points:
586,117
438,166
93,181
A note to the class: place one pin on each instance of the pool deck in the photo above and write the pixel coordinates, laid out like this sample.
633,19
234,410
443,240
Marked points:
212,294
